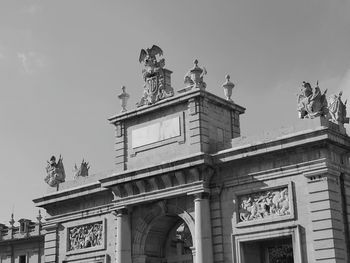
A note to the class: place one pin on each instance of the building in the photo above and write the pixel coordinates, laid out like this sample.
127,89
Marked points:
23,243
188,187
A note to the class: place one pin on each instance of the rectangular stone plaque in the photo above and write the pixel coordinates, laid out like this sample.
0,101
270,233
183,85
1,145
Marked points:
156,132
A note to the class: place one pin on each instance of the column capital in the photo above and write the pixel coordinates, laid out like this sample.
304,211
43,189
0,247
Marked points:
120,211
201,196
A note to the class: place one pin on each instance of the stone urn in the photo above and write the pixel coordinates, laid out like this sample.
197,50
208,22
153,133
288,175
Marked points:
228,87
123,99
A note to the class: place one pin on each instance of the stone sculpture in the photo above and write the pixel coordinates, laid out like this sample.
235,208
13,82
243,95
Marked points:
194,77
157,79
311,103
55,172
82,171
264,205
337,109
90,235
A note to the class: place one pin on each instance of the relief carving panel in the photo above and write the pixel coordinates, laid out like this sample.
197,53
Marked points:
263,205
85,236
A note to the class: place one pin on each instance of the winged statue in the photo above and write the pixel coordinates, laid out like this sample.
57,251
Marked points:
55,172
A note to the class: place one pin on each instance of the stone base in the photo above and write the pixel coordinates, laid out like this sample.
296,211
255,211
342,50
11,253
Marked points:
321,122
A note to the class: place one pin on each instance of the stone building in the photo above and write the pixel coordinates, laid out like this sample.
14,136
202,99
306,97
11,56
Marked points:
187,187
23,243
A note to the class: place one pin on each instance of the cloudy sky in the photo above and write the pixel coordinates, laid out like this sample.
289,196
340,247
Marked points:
62,64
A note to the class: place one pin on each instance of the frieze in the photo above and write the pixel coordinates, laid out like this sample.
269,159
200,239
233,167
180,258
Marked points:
85,236
264,205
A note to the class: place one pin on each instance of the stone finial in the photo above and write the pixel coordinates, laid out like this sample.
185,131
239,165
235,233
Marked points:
12,221
39,217
194,77
123,99
228,87
83,170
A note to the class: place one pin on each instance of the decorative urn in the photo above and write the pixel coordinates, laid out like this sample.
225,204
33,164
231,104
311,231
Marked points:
123,99
228,87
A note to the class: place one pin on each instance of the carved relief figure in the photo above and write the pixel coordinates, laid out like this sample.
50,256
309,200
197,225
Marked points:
311,103
157,79
264,205
55,172
337,109
85,236
83,170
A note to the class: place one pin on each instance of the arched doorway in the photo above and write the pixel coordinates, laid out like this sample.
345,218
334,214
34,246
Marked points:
169,240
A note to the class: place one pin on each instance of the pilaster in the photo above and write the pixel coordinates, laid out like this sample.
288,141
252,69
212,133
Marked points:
325,204
123,237
51,243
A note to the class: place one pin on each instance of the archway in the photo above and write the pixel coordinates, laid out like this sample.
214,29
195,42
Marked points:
164,234
169,240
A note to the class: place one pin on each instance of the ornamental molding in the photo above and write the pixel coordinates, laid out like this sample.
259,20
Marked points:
188,181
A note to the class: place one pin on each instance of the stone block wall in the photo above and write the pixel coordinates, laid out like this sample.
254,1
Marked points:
317,224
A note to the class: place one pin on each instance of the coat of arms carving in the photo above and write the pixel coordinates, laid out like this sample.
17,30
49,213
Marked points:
157,84
55,172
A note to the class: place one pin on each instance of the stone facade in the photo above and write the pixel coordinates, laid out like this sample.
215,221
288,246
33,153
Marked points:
188,187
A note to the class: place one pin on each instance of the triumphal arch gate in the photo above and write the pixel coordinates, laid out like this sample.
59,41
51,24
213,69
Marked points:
187,187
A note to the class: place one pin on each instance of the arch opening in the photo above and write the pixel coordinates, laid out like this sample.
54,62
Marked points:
169,240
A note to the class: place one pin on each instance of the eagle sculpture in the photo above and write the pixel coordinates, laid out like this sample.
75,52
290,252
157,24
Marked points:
150,54
149,60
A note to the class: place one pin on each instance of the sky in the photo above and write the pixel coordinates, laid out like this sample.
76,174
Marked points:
62,65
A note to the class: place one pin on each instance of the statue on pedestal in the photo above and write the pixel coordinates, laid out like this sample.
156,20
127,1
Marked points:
157,79
311,103
337,109
55,172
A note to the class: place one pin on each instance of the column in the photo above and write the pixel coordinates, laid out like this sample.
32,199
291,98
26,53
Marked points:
203,239
123,246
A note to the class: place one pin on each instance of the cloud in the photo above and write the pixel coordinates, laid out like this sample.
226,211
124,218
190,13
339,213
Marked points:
31,62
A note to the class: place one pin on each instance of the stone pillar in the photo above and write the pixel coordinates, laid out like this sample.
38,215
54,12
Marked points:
123,239
203,239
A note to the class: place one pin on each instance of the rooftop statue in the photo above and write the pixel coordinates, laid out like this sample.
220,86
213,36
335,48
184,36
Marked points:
156,77
337,109
83,170
55,172
311,103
